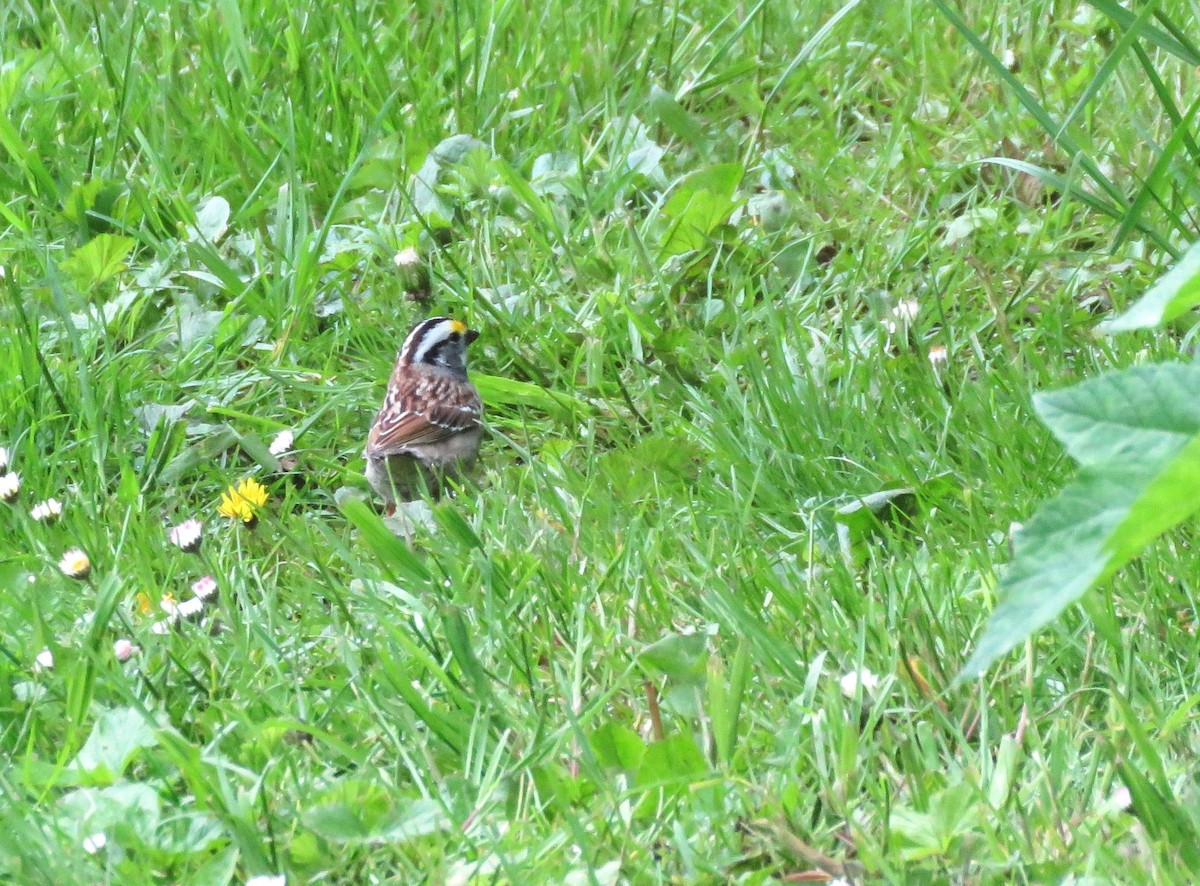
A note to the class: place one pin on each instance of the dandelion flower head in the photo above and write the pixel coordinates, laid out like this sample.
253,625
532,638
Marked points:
243,501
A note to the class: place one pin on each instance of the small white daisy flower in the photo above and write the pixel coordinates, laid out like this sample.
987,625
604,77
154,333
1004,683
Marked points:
3,459
190,607
124,650
205,587
282,443
938,355
75,564
187,536
47,511
906,310
94,843
45,660
162,627
10,486
851,681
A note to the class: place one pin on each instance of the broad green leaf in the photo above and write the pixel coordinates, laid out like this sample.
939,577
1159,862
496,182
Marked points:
617,747
371,818
555,781
917,832
338,822
1136,434
1175,293
1144,414
415,818
556,175
194,324
1059,555
186,832
218,870
1166,501
698,205
100,259
348,810
306,850
681,657
203,452
676,759
212,218
951,812
425,198
81,199
454,149
116,737
88,810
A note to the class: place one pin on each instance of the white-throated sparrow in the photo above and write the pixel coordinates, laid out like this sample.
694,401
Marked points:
429,426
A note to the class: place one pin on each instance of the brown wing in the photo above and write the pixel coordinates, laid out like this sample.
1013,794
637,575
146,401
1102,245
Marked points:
420,412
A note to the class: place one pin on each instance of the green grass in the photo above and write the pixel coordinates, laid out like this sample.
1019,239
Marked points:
203,206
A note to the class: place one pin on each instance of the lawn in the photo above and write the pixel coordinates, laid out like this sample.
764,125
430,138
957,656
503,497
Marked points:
764,292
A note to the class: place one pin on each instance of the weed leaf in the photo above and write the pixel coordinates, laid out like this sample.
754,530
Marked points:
1135,434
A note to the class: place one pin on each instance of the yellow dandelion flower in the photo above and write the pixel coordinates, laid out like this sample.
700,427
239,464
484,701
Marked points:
243,501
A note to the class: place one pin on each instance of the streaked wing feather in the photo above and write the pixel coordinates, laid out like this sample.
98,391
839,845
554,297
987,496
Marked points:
408,428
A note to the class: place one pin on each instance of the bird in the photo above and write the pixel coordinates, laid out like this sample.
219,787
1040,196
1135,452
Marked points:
431,422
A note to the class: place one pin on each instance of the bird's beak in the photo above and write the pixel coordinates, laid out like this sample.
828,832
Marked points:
470,335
